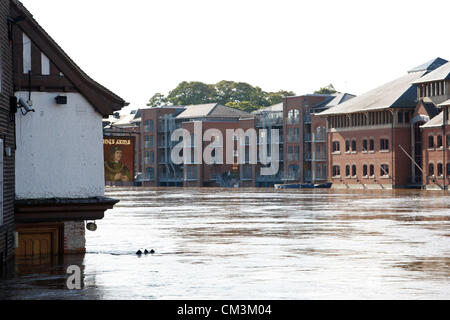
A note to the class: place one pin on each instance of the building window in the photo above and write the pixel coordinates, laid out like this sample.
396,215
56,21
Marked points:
407,113
347,171
400,116
150,173
440,170
149,143
354,170
384,144
431,142
347,145
336,171
336,146
384,170
364,143
431,169
353,145
365,170
372,170
45,65
148,125
439,141
247,172
448,141
448,169
26,54
371,145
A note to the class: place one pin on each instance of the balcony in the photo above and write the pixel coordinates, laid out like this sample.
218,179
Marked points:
307,118
307,156
307,137
319,156
274,178
319,137
268,122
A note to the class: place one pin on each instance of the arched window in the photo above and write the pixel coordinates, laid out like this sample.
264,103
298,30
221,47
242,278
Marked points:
336,171
440,169
365,170
431,169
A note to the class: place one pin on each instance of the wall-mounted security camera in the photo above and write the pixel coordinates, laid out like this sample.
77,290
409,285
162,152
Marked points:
25,106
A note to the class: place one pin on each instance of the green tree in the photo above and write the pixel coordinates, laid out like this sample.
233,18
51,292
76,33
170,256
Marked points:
157,100
246,106
277,97
326,90
188,93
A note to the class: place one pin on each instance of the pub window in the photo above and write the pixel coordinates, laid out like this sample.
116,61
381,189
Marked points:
371,170
384,144
347,171
26,54
400,116
384,170
431,142
439,141
431,169
336,171
365,170
371,144
353,145
440,169
354,170
347,145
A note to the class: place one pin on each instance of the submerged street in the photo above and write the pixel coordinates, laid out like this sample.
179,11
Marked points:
255,244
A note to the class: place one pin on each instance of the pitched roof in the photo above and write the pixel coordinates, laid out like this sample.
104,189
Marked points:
211,110
102,99
275,108
430,65
441,73
435,122
397,93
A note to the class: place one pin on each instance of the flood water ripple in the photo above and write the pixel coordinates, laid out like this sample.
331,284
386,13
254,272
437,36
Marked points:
255,244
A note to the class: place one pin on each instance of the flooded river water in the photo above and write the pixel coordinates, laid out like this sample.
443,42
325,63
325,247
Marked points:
256,244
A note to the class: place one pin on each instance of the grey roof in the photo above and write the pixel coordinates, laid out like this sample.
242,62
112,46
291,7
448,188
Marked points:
445,103
441,73
435,122
211,110
340,98
430,65
275,108
397,93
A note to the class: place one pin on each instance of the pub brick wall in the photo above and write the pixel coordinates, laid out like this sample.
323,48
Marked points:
7,133
74,237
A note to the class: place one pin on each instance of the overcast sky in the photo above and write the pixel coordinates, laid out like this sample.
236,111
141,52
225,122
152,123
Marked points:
139,47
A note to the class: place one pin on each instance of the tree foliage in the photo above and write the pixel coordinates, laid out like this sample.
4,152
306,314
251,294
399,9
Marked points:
326,90
238,95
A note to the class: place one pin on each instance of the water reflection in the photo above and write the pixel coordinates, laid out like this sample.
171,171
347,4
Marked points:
256,244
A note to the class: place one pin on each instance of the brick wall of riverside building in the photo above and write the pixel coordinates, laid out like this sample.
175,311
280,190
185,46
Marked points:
203,177
7,133
74,237
435,156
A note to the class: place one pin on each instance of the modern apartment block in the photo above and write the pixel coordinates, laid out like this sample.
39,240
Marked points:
376,139
305,144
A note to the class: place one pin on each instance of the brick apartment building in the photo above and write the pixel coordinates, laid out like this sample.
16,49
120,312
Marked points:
7,138
376,139
299,130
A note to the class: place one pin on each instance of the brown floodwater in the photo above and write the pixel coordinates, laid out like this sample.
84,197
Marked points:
255,244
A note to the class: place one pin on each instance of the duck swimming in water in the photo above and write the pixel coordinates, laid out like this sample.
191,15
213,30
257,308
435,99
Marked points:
139,252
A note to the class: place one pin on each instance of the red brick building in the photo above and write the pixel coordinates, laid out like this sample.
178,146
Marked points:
433,93
375,139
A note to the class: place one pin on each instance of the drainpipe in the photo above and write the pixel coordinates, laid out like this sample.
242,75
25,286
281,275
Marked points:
392,147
